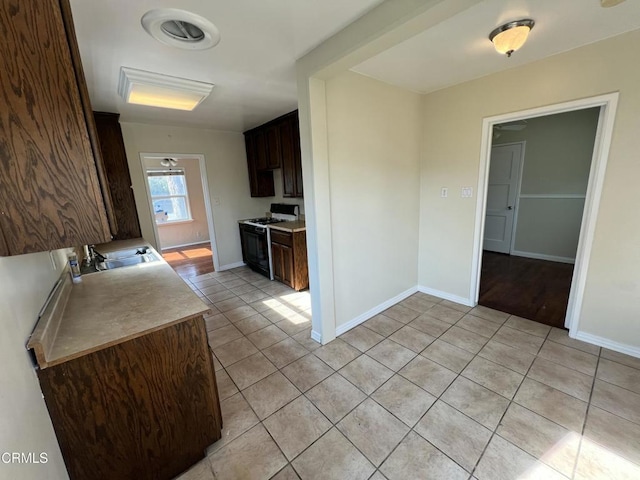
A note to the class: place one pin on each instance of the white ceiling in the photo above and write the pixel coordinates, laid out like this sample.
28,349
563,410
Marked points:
459,50
253,66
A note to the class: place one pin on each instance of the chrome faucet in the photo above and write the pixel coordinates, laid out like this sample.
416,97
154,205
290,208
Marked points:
91,254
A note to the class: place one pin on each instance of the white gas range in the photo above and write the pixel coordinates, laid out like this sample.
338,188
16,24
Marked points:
255,237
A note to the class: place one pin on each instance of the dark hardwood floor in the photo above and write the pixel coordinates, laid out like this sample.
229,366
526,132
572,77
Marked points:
190,261
530,288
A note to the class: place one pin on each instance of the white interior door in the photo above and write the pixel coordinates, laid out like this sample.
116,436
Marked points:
502,191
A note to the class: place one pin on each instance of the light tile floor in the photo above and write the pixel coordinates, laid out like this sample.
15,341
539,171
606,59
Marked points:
427,389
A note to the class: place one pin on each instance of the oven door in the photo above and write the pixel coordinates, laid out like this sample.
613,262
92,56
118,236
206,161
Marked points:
255,248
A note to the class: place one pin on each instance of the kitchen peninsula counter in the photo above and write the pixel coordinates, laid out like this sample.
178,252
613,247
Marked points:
293,226
127,373
113,306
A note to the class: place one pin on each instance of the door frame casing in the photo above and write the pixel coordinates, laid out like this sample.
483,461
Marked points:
205,193
608,105
516,203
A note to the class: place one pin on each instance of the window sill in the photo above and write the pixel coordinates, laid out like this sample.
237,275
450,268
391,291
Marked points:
177,222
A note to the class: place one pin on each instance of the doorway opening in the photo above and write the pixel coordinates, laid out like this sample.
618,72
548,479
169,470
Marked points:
538,175
180,210
522,212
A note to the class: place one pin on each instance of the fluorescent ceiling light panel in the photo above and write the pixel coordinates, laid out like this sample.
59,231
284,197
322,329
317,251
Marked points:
156,90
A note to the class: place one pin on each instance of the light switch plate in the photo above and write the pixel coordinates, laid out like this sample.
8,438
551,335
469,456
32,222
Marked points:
444,192
467,192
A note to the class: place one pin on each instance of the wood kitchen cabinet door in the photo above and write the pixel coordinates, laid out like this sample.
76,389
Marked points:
289,258
144,409
272,135
261,182
299,191
287,265
117,175
276,260
261,150
291,159
50,195
288,160
282,259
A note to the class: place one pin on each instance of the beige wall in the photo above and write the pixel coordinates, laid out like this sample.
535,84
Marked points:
373,138
452,138
227,176
558,154
25,426
197,230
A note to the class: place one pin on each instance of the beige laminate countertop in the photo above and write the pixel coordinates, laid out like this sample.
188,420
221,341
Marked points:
114,306
295,226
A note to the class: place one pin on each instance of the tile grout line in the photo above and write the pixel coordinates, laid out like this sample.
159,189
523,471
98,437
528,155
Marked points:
438,397
396,372
586,417
511,401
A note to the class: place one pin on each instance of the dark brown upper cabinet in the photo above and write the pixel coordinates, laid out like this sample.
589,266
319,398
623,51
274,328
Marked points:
291,161
51,193
260,181
117,172
274,145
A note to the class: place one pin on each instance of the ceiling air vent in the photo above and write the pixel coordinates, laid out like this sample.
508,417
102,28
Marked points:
179,28
183,31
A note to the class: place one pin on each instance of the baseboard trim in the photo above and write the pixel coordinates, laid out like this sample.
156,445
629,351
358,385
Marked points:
231,265
446,296
201,242
345,327
316,336
542,256
610,344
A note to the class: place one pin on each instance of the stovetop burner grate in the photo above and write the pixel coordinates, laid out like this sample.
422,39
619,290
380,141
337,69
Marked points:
265,220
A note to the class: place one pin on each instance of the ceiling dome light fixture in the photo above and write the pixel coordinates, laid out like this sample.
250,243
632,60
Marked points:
511,36
168,162
179,28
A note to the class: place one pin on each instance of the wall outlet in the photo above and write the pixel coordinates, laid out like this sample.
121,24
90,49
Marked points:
467,192
198,234
444,192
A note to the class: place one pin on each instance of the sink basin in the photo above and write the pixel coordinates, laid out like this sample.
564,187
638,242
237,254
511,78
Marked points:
126,258
130,252
126,262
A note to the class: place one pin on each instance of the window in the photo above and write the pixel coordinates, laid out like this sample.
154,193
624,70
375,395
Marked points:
169,195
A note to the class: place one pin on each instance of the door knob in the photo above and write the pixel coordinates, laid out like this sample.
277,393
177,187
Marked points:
509,207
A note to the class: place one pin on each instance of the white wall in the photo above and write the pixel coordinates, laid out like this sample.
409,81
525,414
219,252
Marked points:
452,138
227,173
196,230
374,152
25,426
558,154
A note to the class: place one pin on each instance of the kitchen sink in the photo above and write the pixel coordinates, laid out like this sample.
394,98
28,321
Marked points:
125,258
129,252
125,262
